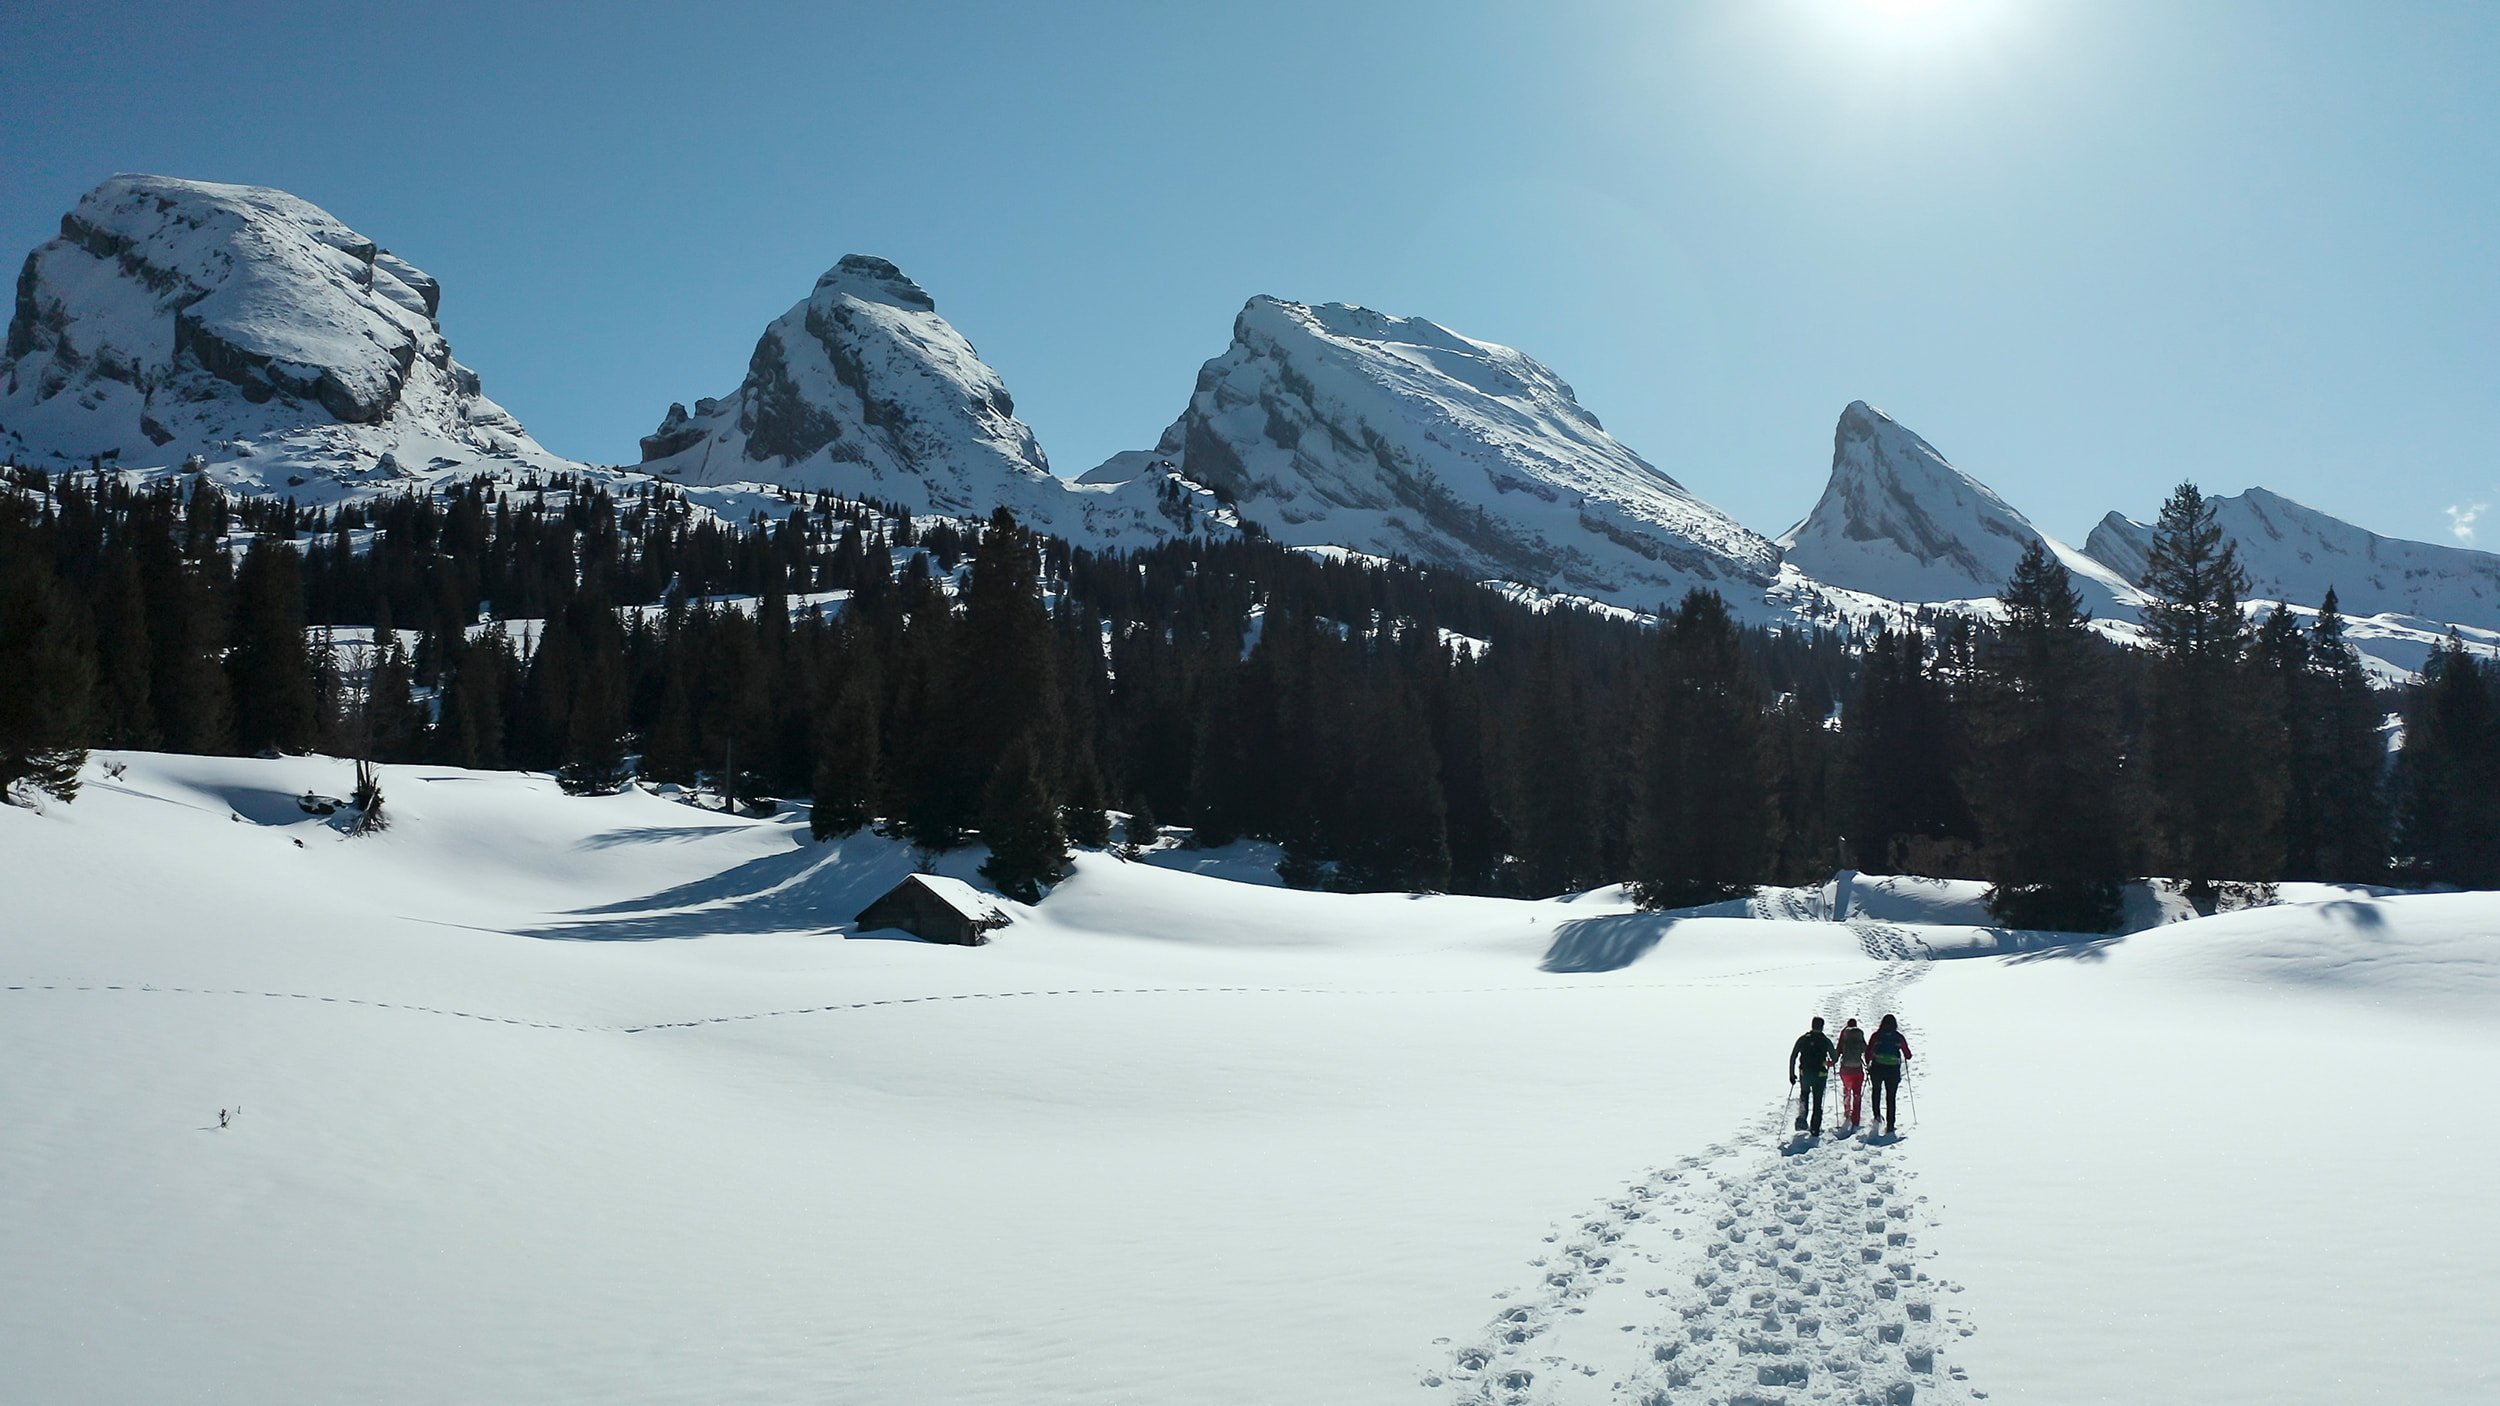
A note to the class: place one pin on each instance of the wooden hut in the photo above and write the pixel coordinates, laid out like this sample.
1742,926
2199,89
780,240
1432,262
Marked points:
935,908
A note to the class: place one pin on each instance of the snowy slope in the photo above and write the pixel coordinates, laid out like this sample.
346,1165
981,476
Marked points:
865,389
1897,520
247,332
2294,552
1340,426
560,1099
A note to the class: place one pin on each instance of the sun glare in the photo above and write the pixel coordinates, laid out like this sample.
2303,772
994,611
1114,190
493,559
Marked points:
1936,30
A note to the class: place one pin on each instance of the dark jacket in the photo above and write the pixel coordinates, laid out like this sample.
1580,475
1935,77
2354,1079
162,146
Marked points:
1811,1053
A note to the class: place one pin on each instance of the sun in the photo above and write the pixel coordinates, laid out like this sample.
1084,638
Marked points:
1931,27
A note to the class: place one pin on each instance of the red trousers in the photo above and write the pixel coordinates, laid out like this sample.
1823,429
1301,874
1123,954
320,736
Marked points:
1852,1090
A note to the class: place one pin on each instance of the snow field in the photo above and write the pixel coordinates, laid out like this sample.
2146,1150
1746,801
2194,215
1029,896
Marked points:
554,1099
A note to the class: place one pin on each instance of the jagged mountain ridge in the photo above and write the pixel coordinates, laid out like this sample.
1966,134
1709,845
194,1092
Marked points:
863,388
242,331
252,336
2295,553
1329,424
1898,520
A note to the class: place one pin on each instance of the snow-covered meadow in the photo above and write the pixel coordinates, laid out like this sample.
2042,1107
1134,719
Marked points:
558,1099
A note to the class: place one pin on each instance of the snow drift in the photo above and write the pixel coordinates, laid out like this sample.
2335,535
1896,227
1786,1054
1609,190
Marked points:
593,1099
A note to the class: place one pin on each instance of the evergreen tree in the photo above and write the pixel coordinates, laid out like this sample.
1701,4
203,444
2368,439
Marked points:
594,752
668,749
125,714
1904,740
2345,817
469,724
2044,772
269,670
1552,801
1705,822
2214,750
394,721
47,675
2449,771
1087,823
187,627
1390,834
1142,829
1020,824
847,751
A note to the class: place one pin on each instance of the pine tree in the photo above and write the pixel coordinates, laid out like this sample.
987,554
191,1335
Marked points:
1020,824
1552,801
47,676
268,670
394,722
2347,818
2449,771
187,627
2214,750
1704,827
1904,740
1141,828
1087,823
594,750
125,713
2044,770
847,756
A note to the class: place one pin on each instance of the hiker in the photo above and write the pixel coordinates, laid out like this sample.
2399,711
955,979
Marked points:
1852,1058
1809,1060
1888,1051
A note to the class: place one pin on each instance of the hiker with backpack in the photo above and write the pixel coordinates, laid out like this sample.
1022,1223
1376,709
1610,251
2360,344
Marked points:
1809,1060
1850,1057
1887,1052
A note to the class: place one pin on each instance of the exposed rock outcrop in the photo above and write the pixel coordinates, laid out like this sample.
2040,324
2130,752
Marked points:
240,327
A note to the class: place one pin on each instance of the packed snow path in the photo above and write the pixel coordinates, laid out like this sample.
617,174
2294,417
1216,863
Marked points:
1770,1268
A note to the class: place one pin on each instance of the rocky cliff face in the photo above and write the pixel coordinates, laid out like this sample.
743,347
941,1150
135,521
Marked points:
1897,520
2295,553
1340,426
241,330
864,389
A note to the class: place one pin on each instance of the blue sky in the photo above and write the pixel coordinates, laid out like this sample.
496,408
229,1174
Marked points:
2087,249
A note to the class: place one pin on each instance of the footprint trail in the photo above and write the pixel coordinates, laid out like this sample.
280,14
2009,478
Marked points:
1758,1272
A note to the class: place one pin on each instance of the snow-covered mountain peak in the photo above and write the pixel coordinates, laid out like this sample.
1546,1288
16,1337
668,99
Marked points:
2295,553
870,279
862,388
240,329
1898,520
1336,425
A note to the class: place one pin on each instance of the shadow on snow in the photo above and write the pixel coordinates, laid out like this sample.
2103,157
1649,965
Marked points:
813,888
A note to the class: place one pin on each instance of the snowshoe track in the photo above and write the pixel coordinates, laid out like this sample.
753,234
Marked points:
1790,1274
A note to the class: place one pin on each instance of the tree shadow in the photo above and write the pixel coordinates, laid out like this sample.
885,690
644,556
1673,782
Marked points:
1604,944
2360,912
657,834
815,888
2063,947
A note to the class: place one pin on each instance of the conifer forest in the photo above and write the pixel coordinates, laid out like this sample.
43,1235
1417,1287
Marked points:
1388,726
